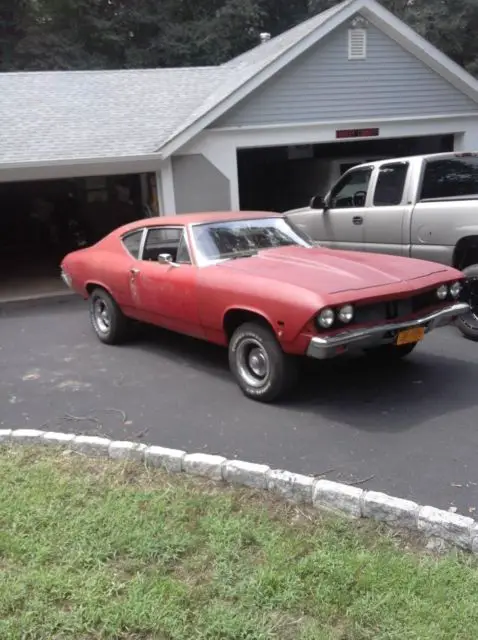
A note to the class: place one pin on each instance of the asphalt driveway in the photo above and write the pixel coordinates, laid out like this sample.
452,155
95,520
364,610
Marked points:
410,430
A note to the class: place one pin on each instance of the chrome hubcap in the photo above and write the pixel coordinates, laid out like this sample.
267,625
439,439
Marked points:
253,362
101,315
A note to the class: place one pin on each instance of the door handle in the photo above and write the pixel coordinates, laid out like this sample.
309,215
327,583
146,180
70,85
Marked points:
134,272
357,220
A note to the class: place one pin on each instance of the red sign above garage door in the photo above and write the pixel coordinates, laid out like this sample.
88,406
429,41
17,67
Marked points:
357,133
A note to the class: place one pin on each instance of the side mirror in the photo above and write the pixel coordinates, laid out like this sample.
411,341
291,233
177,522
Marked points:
318,202
165,258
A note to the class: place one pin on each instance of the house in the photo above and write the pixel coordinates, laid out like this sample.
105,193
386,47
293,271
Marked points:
266,130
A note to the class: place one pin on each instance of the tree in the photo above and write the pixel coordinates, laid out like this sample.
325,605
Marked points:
13,17
102,34
451,26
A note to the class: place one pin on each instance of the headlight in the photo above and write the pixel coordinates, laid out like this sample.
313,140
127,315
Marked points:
455,289
326,318
442,292
346,314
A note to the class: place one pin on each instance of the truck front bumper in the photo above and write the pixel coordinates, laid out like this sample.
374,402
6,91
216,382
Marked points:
326,347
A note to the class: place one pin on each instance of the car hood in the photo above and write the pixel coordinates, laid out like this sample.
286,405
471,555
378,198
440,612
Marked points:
333,271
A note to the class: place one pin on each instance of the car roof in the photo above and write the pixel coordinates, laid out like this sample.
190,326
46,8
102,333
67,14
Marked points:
196,218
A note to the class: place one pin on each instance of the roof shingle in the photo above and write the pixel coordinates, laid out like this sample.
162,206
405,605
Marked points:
70,115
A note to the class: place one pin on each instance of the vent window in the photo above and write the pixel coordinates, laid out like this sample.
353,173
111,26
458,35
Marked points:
357,44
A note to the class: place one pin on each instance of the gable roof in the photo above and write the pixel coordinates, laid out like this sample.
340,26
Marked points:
81,115
256,66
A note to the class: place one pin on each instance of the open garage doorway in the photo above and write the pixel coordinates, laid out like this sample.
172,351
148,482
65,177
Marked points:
42,221
283,178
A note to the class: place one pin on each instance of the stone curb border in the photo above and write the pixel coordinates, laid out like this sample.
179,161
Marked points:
342,499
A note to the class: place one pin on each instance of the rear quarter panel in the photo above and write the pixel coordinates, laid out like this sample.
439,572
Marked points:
101,264
437,227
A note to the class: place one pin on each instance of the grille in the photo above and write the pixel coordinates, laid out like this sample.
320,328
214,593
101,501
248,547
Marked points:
395,309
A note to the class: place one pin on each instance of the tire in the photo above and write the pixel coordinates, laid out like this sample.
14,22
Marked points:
107,319
387,352
468,323
262,370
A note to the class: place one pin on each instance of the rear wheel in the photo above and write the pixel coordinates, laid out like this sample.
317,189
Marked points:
262,370
391,351
468,323
107,319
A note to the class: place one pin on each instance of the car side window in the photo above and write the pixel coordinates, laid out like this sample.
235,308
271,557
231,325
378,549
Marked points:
132,243
183,256
351,190
166,240
390,184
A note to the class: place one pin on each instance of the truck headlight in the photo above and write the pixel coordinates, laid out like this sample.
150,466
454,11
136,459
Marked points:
326,318
346,313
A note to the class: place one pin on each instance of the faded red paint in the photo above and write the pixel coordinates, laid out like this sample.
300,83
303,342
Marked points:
287,286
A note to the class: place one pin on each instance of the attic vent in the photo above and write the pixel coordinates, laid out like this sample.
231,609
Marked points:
357,44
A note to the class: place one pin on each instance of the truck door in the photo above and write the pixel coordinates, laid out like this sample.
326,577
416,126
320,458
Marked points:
387,219
344,217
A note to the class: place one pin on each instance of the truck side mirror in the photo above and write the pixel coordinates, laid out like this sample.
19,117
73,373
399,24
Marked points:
318,202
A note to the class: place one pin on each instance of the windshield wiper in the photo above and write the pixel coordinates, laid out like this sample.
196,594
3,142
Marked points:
245,254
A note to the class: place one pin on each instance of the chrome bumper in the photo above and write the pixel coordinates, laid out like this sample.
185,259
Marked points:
66,279
332,346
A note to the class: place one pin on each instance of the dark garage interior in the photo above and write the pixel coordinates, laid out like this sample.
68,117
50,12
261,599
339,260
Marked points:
42,221
282,178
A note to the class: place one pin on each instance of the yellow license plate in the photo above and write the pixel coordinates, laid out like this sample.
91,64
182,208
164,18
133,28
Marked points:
411,335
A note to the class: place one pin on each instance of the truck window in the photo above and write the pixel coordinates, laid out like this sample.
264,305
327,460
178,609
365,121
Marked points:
390,184
450,177
351,189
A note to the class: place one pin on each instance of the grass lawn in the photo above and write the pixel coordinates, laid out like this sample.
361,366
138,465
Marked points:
97,549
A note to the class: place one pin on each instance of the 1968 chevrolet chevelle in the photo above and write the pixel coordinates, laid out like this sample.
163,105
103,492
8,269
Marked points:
256,284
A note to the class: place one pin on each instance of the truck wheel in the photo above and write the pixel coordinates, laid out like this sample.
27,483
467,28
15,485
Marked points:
262,370
391,351
468,323
108,321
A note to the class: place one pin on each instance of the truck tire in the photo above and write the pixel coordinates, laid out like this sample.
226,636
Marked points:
468,323
262,370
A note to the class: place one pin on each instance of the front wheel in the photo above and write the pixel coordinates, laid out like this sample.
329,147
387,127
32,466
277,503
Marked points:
262,370
391,351
468,323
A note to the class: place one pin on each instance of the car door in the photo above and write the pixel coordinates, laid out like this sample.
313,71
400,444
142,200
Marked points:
340,224
122,271
166,294
387,220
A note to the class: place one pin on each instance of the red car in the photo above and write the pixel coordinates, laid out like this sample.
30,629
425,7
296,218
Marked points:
256,284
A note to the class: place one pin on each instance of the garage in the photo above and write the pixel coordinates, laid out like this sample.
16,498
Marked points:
349,85
283,178
41,221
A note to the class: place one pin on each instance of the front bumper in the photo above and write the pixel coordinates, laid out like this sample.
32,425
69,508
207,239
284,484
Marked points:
326,347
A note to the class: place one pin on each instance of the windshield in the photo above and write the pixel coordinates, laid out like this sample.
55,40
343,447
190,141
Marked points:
229,239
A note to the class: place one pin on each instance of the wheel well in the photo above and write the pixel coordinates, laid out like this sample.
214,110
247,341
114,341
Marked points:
235,317
466,252
91,286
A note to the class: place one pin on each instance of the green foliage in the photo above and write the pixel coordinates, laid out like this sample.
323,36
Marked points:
92,34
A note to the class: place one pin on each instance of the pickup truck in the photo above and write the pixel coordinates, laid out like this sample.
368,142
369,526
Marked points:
423,207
